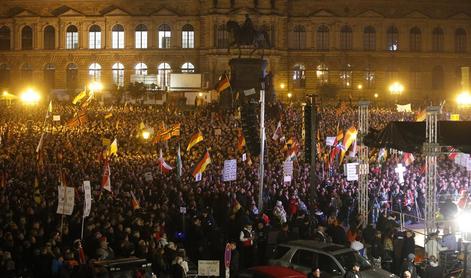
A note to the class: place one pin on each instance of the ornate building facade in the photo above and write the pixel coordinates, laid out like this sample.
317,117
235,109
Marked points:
359,47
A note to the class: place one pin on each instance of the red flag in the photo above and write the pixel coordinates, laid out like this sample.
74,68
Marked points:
106,179
453,153
164,167
134,202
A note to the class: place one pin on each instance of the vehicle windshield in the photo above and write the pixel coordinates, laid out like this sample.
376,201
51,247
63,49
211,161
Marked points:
349,258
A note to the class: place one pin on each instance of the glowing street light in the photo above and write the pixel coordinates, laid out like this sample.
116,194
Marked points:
396,88
282,86
290,95
376,95
30,97
95,86
146,135
360,86
464,99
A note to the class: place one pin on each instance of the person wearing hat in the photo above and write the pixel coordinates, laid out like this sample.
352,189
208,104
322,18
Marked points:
433,246
354,272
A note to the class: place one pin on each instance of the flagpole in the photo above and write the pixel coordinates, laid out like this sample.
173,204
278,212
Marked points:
83,215
262,147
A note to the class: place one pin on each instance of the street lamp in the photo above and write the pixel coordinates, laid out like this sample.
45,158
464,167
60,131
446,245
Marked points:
396,89
96,87
145,135
463,99
30,97
282,86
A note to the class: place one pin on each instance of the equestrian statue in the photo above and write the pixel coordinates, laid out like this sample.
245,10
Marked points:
247,35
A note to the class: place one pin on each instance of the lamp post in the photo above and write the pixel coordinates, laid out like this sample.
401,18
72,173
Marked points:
96,87
30,97
396,89
463,99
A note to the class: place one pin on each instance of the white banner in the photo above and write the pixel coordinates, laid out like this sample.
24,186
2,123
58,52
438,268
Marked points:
468,164
208,268
288,168
66,197
87,205
56,118
351,170
244,157
329,141
403,108
230,170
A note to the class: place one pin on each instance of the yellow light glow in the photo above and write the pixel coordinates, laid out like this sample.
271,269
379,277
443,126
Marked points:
282,85
5,93
376,95
145,135
360,86
396,88
30,97
464,98
95,86
200,94
290,95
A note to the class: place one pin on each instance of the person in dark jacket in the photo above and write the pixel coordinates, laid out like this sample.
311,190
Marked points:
409,265
433,270
377,249
354,272
235,259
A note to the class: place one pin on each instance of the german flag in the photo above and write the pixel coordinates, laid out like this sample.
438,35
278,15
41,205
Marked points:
195,139
80,118
165,135
223,83
201,166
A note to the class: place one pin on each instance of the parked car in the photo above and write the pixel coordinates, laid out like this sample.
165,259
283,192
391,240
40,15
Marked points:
271,272
333,260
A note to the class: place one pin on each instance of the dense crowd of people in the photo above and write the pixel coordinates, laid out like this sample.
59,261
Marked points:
180,220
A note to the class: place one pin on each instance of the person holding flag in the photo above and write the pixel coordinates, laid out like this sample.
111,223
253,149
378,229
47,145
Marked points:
195,139
201,166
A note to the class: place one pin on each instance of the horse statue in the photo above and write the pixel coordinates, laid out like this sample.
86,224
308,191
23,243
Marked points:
247,35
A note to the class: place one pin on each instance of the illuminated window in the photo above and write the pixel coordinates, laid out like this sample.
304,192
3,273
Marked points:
369,78
117,37
141,36
188,36
165,35
322,73
71,37
299,77
163,72
94,72
94,37
140,69
392,37
188,68
118,74
346,77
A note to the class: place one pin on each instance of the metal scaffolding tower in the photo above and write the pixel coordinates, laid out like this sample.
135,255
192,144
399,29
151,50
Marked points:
363,168
431,151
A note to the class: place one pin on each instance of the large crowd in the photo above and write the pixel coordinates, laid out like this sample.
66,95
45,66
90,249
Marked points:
180,220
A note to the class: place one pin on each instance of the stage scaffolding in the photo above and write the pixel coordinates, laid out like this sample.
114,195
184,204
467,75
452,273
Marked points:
363,160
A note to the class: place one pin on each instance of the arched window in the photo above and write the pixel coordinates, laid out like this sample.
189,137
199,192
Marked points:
415,38
188,68
4,76
346,76
163,72
165,35
5,38
437,78
49,37
50,76
118,74
94,37
460,40
322,38
188,36
72,76
117,37
27,38
299,77
437,39
392,39
26,72
370,78
71,37
222,36
298,40
140,69
322,73
94,72
346,38
369,38
141,36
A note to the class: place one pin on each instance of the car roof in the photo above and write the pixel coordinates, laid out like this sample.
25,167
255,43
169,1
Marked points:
278,271
330,248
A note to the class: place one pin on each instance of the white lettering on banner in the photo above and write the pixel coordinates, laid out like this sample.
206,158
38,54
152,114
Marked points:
56,118
352,171
230,170
288,168
208,268
249,92
329,141
287,179
88,198
400,172
66,197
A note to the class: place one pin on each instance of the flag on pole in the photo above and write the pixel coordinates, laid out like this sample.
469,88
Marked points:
421,116
109,115
453,153
278,132
80,118
79,97
195,139
164,167
106,179
408,158
240,141
382,155
40,144
223,83
134,202
201,166
166,134
113,148
179,162
337,146
348,139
